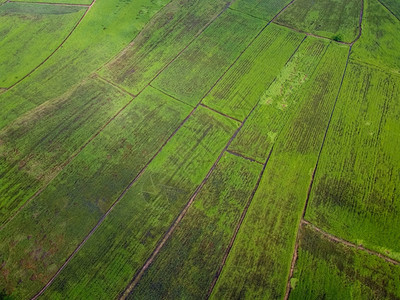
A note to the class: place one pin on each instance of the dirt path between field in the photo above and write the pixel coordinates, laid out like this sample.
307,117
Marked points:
295,251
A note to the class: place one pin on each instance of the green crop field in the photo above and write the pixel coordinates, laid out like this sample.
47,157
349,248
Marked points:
199,149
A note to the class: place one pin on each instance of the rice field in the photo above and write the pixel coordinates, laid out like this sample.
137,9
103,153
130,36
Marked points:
199,149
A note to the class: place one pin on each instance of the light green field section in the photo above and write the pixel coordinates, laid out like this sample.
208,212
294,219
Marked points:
379,43
35,147
194,72
107,28
356,195
54,2
393,6
168,33
290,88
186,265
243,85
39,239
334,19
24,29
258,264
120,246
326,269
263,9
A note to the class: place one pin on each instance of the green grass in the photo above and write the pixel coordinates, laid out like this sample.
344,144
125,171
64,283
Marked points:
107,28
116,171
393,6
186,265
259,261
331,270
169,32
39,239
379,42
194,72
59,1
242,86
120,246
264,9
280,100
35,147
335,19
24,29
355,195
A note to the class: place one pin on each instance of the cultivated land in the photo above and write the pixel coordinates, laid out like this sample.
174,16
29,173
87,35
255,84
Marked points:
192,149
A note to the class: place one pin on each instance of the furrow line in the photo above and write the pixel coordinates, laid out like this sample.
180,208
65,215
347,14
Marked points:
295,252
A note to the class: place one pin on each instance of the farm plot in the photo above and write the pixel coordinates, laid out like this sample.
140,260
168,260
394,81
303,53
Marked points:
24,28
186,265
120,246
259,262
82,2
326,269
168,33
334,19
99,37
282,98
379,42
393,6
356,195
35,147
38,240
194,72
241,87
263,9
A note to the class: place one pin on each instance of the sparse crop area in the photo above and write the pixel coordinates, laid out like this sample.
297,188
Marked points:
199,149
